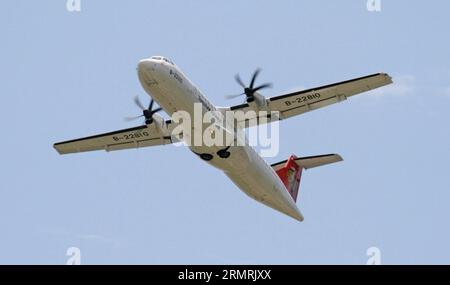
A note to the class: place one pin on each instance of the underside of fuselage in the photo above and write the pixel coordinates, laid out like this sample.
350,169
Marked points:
241,163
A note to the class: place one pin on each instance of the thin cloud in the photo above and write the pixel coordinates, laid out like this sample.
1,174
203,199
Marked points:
403,85
98,238
85,237
294,89
447,92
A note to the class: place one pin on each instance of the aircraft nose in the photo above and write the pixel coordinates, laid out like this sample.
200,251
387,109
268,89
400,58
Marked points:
146,65
147,71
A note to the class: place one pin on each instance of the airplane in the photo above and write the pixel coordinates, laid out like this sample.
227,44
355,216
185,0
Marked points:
275,185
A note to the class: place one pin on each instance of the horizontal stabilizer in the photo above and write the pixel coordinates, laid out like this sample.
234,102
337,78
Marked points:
318,160
310,161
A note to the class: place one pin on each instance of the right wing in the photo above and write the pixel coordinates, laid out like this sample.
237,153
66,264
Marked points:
297,103
142,136
300,102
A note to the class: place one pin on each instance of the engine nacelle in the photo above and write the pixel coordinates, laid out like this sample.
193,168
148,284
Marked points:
258,101
160,123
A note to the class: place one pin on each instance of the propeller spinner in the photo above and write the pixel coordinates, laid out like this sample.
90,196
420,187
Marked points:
249,91
147,113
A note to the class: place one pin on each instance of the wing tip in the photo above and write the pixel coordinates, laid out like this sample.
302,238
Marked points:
56,147
387,77
338,157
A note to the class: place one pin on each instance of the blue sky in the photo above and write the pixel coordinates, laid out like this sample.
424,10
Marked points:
66,75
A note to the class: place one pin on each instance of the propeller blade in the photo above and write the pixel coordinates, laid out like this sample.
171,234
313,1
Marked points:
129,119
138,103
239,80
156,110
250,90
257,71
147,113
150,106
234,96
267,85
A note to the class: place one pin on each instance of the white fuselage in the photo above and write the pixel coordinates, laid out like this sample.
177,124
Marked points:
173,91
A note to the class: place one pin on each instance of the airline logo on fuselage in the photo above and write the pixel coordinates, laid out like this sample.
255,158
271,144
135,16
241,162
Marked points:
176,76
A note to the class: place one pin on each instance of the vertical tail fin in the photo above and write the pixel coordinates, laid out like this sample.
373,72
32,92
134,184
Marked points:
291,174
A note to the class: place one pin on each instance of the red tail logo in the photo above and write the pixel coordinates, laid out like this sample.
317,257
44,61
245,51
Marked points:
291,174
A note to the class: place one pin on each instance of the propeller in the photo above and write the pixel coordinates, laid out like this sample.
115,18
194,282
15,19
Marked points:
147,113
249,91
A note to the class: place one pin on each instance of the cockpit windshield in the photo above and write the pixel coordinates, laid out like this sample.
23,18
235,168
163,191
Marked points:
163,58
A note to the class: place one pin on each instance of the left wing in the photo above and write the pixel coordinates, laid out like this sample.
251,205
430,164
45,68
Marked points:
296,103
142,136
